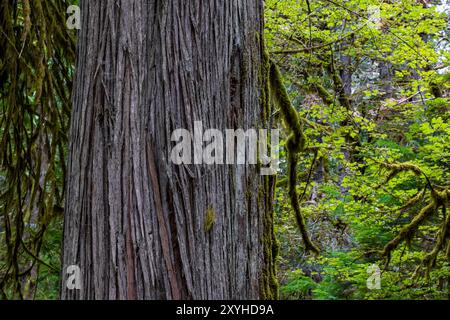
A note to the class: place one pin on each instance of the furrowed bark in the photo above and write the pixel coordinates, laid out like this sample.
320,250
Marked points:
134,222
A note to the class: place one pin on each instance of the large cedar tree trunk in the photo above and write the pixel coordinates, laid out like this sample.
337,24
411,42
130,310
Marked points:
135,222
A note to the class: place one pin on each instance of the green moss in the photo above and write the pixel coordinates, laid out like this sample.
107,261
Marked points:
269,285
295,145
296,140
268,281
438,199
210,218
264,84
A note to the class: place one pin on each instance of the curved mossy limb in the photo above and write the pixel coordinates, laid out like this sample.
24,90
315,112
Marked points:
439,198
295,145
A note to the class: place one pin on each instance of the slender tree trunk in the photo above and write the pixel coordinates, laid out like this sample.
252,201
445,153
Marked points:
135,222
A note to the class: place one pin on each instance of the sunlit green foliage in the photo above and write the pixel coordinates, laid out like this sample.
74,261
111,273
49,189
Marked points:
371,80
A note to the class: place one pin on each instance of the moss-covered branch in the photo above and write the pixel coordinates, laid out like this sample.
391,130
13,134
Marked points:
295,145
439,199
